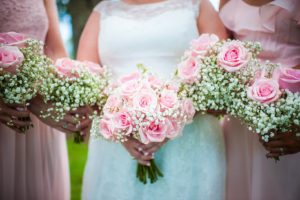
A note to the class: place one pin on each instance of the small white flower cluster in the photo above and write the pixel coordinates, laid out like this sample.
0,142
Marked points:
67,92
20,87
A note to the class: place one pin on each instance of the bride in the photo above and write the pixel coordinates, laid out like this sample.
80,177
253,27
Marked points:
121,34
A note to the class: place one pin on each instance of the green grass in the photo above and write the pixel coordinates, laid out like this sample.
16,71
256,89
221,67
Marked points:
77,159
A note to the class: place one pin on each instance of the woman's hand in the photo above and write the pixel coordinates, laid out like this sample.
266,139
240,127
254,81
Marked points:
141,152
135,149
283,144
151,148
74,121
15,117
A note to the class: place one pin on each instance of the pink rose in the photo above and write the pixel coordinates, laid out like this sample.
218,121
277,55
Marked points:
145,100
264,90
189,54
94,68
13,39
123,122
188,70
128,89
112,105
154,132
189,109
67,67
168,99
154,82
233,56
106,129
199,46
172,85
289,79
174,128
10,58
135,76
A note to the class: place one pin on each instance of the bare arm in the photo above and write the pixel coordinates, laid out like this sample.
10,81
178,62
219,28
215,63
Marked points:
209,21
54,46
88,43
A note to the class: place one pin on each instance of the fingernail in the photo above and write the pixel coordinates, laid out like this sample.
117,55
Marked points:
148,164
140,149
146,153
152,155
20,109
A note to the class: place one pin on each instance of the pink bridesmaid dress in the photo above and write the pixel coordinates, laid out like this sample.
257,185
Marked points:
32,166
250,175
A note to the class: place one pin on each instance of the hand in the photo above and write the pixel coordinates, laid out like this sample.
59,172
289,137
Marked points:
73,121
78,120
151,148
135,149
15,117
283,144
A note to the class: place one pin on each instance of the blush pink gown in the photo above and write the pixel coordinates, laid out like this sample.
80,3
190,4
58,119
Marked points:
32,166
250,175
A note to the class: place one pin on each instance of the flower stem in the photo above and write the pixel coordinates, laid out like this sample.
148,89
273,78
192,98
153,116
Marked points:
78,138
151,172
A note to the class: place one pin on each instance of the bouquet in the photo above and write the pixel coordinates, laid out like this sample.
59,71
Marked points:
226,75
143,107
270,102
21,63
213,72
70,84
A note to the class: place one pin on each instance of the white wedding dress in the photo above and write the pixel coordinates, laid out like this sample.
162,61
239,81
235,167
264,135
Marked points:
156,35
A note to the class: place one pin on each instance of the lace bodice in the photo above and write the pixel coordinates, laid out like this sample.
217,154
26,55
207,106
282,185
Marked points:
143,11
26,16
154,34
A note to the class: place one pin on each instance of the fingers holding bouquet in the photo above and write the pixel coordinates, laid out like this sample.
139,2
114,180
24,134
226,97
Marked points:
283,144
15,117
136,150
78,121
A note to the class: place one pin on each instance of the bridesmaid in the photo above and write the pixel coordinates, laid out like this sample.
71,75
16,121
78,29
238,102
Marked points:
35,165
250,175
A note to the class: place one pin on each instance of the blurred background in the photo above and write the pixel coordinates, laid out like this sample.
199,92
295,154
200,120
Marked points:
73,15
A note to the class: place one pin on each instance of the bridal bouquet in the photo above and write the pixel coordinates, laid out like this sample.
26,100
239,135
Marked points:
70,84
21,63
142,106
213,72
